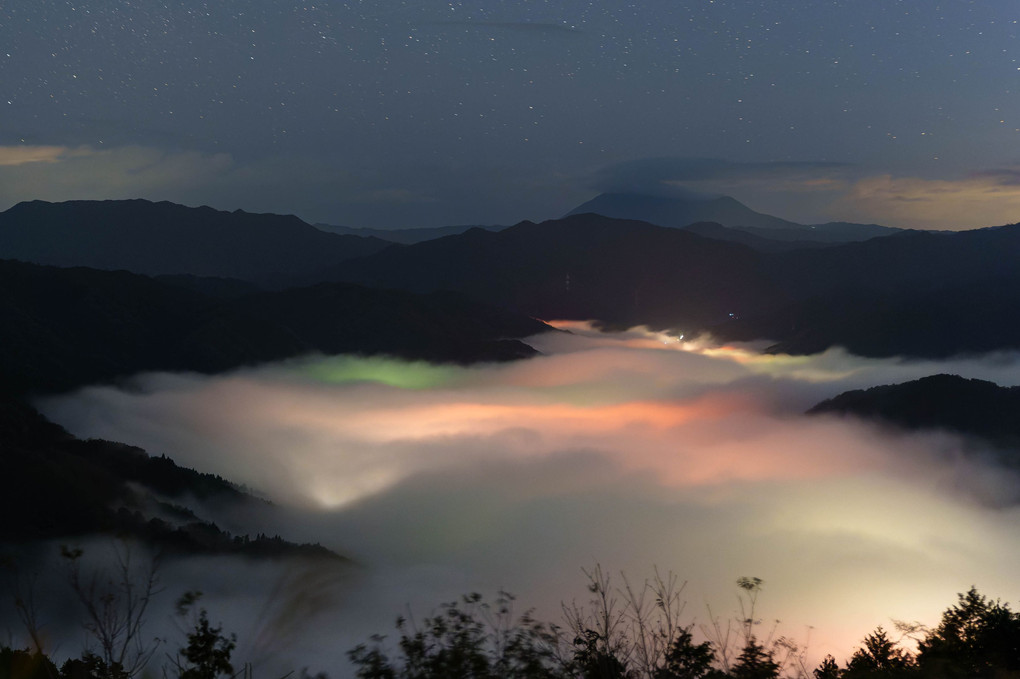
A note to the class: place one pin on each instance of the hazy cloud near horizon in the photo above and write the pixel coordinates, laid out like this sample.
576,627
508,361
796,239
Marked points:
816,192
809,192
647,173
630,450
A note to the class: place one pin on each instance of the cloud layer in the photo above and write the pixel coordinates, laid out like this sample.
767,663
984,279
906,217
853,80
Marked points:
633,450
815,192
808,192
987,198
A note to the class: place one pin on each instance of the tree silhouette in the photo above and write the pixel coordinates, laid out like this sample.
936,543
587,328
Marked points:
115,604
90,666
976,638
828,669
687,660
208,651
23,664
755,662
593,659
622,634
879,658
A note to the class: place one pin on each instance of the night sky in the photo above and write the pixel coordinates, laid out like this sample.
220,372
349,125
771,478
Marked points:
401,114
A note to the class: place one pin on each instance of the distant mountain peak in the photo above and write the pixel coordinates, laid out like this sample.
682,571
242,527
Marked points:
680,211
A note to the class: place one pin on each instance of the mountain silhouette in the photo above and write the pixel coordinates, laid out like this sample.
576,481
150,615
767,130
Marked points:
67,487
928,294
70,327
165,238
968,406
914,260
750,238
913,293
829,232
404,236
682,211
953,319
585,266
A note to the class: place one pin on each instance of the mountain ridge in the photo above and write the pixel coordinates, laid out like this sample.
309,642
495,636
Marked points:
943,401
77,488
67,327
912,293
406,236
582,266
682,211
678,212
155,238
626,272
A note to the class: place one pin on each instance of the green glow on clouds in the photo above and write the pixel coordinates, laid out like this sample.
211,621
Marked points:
388,371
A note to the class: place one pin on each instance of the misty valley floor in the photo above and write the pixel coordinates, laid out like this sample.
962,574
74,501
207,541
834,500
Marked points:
633,450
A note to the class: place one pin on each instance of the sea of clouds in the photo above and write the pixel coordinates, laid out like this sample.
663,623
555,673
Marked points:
631,450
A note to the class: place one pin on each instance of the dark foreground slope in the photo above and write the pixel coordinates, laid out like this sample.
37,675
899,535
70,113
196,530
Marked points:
61,487
165,238
973,318
915,294
913,261
968,406
69,327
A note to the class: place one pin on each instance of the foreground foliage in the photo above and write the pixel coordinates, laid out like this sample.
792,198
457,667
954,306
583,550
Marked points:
113,602
621,631
634,633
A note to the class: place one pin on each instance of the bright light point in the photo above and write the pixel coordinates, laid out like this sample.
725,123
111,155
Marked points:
809,368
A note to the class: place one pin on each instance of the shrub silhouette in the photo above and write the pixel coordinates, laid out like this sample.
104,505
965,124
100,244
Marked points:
621,633
469,638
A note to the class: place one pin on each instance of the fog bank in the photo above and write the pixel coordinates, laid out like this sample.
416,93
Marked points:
632,450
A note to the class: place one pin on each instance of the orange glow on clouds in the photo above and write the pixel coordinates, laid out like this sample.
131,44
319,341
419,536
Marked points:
631,449
988,199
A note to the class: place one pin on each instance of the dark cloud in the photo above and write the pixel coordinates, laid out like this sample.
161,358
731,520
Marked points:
523,26
1001,176
662,174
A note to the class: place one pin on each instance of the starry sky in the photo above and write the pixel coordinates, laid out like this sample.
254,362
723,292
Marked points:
387,113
